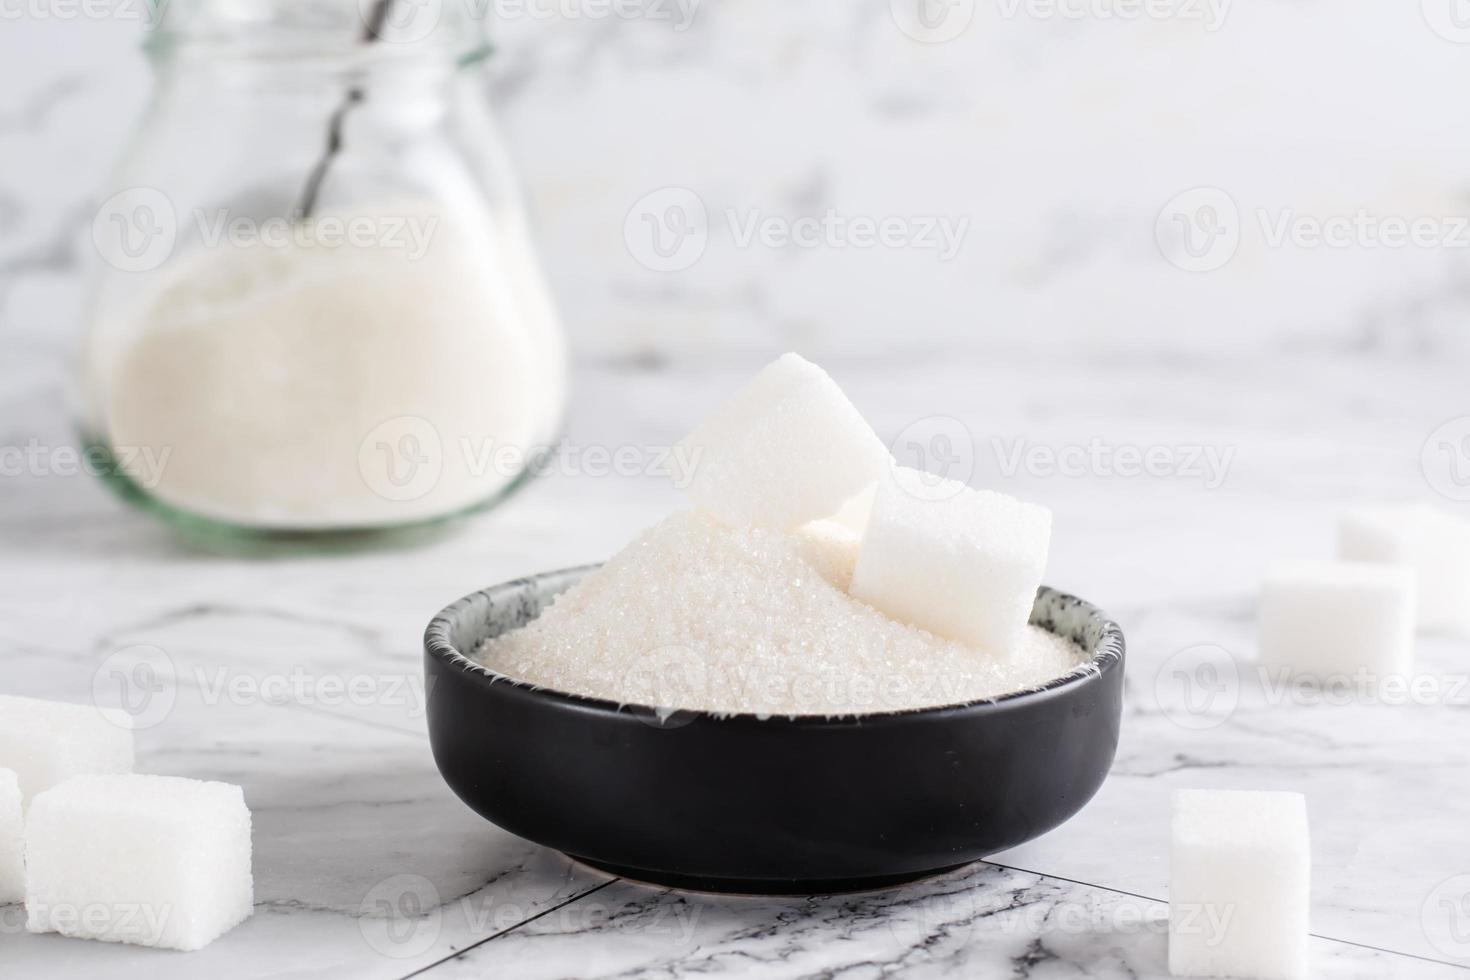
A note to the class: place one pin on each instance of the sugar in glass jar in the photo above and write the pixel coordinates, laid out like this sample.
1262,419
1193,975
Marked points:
319,308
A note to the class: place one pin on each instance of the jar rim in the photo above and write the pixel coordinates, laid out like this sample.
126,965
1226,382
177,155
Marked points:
339,33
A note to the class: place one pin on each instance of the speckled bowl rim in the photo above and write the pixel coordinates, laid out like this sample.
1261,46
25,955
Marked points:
1051,605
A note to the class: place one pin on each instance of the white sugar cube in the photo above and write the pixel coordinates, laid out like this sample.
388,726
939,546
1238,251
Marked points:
785,449
1239,885
46,742
147,860
12,870
1434,544
1333,620
963,564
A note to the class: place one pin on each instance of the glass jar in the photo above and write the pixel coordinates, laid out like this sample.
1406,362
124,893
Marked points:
319,308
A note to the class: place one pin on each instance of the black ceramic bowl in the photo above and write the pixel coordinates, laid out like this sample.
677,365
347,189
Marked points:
746,803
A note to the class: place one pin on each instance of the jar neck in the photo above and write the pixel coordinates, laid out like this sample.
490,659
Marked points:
320,36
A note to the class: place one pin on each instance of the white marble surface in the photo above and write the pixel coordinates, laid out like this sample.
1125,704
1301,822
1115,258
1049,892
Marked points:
1060,138
350,813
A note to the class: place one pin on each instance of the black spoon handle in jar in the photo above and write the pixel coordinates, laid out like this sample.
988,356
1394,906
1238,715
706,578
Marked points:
372,32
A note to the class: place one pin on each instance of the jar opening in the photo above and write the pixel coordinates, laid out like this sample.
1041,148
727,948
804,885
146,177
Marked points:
335,31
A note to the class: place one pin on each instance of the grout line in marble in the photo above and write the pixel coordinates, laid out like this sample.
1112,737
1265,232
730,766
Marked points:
1150,898
496,935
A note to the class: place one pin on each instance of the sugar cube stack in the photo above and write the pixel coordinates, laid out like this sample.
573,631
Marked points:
963,564
1239,885
1324,620
148,860
785,449
47,742
12,869
1434,544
